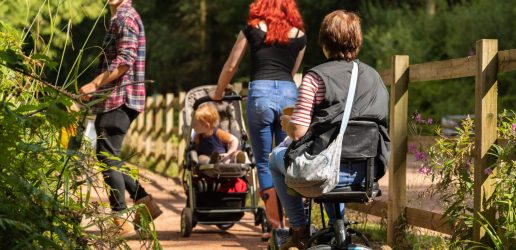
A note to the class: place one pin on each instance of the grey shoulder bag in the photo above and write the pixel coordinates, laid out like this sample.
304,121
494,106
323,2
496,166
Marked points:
314,175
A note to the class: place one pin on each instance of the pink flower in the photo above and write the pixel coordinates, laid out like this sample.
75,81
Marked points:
425,169
418,118
420,156
488,171
412,148
514,127
430,121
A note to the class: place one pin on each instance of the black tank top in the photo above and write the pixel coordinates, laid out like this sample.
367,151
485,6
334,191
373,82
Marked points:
272,62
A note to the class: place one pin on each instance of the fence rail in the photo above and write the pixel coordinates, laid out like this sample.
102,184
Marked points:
157,133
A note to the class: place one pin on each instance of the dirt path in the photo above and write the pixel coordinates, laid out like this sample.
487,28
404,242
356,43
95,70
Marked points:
170,196
244,235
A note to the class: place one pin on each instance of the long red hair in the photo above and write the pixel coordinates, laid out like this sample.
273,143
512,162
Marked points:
279,15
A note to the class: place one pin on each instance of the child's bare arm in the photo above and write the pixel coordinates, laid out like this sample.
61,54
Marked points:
229,140
232,145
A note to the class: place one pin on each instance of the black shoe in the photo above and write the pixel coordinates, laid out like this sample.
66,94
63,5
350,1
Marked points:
279,236
298,239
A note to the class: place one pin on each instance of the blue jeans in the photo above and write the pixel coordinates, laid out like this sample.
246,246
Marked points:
350,174
265,103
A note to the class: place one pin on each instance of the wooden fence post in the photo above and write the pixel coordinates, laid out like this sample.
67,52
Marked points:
486,92
182,142
398,133
158,126
169,125
140,139
132,135
237,87
149,123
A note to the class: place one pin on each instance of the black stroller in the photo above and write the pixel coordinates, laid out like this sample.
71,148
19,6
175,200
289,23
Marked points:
216,193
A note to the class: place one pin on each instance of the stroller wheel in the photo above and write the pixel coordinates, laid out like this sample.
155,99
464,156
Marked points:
186,222
225,226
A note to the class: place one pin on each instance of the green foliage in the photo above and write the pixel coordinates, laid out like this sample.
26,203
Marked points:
48,21
33,213
182,50
452,164
449,33
504,175
48,179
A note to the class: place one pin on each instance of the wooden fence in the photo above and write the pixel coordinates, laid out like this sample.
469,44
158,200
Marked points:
156,134
152,133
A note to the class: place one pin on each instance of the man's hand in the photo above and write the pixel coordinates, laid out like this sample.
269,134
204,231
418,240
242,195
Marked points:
86,90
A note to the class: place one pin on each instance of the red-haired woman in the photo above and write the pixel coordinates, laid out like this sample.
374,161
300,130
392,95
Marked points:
275,34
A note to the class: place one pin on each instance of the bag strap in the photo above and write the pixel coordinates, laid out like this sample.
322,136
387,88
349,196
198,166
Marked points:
349,100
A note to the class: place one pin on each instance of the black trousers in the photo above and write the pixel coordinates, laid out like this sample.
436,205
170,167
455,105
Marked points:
111,128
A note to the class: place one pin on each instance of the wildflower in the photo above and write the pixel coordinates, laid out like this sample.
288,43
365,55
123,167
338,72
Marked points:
418,117
514,128
488,171
412,148
424,169
420,156
429,121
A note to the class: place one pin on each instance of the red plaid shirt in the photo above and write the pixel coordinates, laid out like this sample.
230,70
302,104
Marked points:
124,44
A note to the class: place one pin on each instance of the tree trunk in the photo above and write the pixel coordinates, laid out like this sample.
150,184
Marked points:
430,7
202,35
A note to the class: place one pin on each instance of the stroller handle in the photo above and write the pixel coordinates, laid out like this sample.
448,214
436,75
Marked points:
208,99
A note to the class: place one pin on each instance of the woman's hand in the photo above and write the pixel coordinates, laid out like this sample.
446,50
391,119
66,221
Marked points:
216,95
285,120
293,130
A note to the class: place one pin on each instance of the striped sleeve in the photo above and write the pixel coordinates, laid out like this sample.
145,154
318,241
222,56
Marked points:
311,92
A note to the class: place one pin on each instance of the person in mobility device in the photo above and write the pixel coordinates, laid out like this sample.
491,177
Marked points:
316,122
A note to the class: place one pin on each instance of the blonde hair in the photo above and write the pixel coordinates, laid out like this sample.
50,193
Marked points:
207,113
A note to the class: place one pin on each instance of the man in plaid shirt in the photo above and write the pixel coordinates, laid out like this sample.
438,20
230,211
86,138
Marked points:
122,66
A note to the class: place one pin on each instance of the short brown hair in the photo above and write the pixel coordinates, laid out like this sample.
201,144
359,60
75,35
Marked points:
207,113
340,34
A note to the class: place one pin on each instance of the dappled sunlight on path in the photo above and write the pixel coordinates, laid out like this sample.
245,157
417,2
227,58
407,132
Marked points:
170,196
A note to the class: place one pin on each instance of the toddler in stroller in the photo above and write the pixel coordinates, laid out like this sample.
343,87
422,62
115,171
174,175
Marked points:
212,143
217,163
